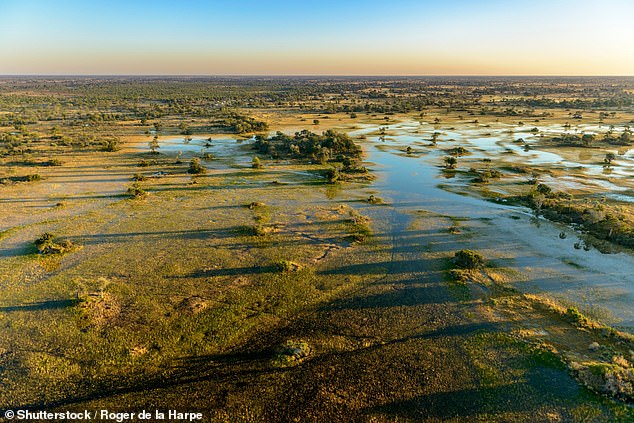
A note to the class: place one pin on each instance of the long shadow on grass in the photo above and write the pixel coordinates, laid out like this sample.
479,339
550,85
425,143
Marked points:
485,400
251,365
410,293
245,365
235,271
62,198
127,236
40,305
393,267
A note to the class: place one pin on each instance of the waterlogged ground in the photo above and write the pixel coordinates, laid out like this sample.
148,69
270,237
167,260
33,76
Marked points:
511,237
174,301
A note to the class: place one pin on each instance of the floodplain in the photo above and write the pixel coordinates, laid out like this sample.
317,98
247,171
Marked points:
312,249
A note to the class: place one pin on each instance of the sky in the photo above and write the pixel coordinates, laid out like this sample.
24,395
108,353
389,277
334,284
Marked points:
305,37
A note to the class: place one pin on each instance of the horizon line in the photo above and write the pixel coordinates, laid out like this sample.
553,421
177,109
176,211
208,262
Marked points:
3,75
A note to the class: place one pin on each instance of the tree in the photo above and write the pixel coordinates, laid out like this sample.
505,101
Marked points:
195,168
609,157
450,162
626,136
185,129
111,144
154,144
468,259
587,139
256,163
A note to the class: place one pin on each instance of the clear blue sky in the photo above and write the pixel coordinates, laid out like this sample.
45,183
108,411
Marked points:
317,37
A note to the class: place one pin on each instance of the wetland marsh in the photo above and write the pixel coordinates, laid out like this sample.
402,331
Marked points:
306,268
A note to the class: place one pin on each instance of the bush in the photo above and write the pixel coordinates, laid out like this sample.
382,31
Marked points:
46,245
256,163
575,316
458,151
254,230
468,259
450,162
332,175
195,168
138,177
154,145
284,266
543,189
291,353
486,175
459,275
135,191
375,200
359,227
110,144
255,205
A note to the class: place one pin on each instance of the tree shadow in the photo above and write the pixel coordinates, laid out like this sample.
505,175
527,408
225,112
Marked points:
41,305
392,267
512,398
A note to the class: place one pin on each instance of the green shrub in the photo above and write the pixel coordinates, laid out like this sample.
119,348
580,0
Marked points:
359,227
458,151
46,245
110,144
284,266
543,189
332,175
253,230
32,178
135,191
195,168
291,353
575,316
450,162
375,200
468,259
459,275
256,163
255,205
